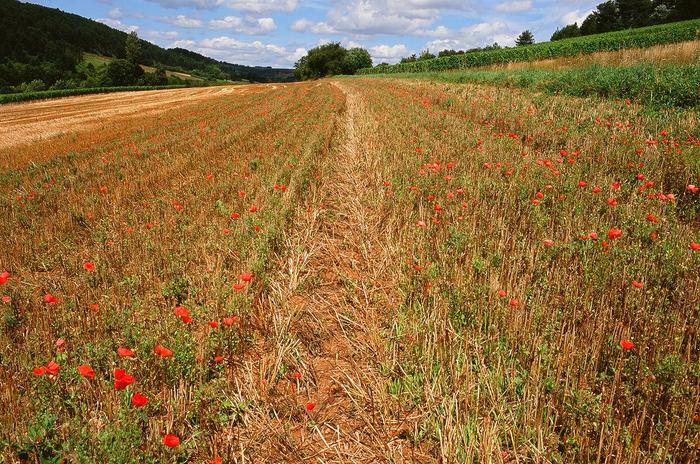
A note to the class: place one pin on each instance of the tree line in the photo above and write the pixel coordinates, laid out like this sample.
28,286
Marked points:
615,15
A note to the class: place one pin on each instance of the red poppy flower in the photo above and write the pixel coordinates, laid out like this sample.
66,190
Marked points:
637,284
122,379
52,368
229,321
139,400
297,375
238,287
253,209
502,293
3,277
246,277
6,299
94,307
513,302
615,186
235,215
310,406
213,324
39,371
626,345
216,460
50,299
614,233
183,314
582,183
218,359
86,371
124,352
596,189
88,266
694,246
162,351
171,441
548,242
692,188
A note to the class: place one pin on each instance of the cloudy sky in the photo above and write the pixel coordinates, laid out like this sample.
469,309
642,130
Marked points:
278,32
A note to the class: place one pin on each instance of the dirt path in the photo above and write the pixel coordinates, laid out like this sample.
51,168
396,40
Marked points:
333,295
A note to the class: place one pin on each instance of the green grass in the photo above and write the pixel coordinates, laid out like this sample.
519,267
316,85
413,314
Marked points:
20,97
632,38
96,60
655,86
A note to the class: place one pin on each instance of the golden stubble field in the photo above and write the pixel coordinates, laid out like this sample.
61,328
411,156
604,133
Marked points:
349,270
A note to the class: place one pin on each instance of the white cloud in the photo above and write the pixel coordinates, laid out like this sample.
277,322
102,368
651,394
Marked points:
255,53
247,25
576,16
262,6
301,25
116,24
254,6
438,32
184,21
198,4
395,17
477,35
388,53
516,6
115,13
164,35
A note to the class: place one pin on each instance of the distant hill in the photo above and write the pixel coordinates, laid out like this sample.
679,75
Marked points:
37,42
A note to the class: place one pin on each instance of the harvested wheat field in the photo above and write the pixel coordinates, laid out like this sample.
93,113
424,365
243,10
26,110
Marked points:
349,270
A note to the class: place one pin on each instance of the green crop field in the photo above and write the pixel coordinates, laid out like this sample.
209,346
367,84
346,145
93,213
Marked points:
632,38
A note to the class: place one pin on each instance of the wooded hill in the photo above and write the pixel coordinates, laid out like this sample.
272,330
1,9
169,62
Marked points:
37,42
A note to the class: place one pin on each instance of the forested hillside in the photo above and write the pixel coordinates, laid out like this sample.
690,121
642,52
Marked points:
47,44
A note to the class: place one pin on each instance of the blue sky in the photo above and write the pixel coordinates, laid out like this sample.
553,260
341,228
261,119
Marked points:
278,32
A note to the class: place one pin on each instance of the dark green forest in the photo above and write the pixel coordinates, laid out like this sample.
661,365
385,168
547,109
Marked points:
43,47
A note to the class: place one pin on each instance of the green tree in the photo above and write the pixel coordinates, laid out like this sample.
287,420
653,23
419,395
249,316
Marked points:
133,47
525,38
686,9
634,13
356,59
121,72
566,32
322,61
426,55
